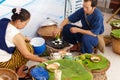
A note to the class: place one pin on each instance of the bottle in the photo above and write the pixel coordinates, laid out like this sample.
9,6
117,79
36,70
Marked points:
57,74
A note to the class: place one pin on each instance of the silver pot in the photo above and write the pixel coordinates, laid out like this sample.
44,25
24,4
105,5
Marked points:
48,22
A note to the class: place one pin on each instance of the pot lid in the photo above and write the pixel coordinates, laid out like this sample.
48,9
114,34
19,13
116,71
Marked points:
48,22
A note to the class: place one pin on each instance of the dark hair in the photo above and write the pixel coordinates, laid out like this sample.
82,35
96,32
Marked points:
93,2
22,15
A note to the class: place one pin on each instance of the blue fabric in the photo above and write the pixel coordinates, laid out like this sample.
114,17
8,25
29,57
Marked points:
95,20
96,26
39,73
70,37
87,41
3,26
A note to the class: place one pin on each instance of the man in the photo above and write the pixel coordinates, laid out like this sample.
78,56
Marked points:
92,26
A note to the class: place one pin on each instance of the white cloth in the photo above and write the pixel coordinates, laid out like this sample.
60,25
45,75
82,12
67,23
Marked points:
10,34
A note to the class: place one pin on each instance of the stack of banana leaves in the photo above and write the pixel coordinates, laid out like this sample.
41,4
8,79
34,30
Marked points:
115,33
71,70
93,61
115,23
80,67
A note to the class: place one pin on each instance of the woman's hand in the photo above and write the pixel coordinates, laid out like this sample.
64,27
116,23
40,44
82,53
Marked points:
27,39
43,60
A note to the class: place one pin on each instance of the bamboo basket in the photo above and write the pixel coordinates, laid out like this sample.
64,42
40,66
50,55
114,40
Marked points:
107,39
114,27
100,74
46,31
116,45
7,74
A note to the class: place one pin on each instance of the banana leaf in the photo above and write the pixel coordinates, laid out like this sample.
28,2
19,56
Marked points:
87,62
115,23
71,70
115,33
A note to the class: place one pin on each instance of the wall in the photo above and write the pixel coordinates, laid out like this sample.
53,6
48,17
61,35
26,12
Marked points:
72,6
103,3
39,9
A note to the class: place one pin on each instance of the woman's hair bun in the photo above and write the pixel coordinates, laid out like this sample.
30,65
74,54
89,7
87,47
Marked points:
14,10
20,13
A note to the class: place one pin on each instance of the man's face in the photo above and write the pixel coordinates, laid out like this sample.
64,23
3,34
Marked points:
87,7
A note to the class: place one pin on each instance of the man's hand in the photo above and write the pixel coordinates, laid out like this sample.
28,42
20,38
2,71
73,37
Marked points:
56,31
82,31
75,30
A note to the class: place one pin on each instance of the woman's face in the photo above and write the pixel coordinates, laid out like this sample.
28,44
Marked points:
21,24
87,7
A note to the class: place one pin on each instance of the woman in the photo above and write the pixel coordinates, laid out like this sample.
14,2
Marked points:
14,50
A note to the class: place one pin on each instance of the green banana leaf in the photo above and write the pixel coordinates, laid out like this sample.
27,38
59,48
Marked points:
87,62
71,70
115,33
115,23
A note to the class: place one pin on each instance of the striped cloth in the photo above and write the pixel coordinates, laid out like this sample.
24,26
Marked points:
17,59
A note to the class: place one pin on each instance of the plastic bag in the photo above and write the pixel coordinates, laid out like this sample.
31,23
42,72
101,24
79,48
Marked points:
39,73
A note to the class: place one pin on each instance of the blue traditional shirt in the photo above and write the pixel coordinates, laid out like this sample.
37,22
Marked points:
95,20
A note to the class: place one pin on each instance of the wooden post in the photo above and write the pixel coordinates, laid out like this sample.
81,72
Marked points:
113,15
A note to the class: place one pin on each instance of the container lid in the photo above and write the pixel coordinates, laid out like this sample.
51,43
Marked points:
48,22
37,41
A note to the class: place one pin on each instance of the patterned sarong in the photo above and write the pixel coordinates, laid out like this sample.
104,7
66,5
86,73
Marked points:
17,59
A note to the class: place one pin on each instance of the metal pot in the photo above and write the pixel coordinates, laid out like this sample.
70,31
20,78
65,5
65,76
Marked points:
48,22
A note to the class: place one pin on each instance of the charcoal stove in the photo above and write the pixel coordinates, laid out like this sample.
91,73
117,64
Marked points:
56,45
